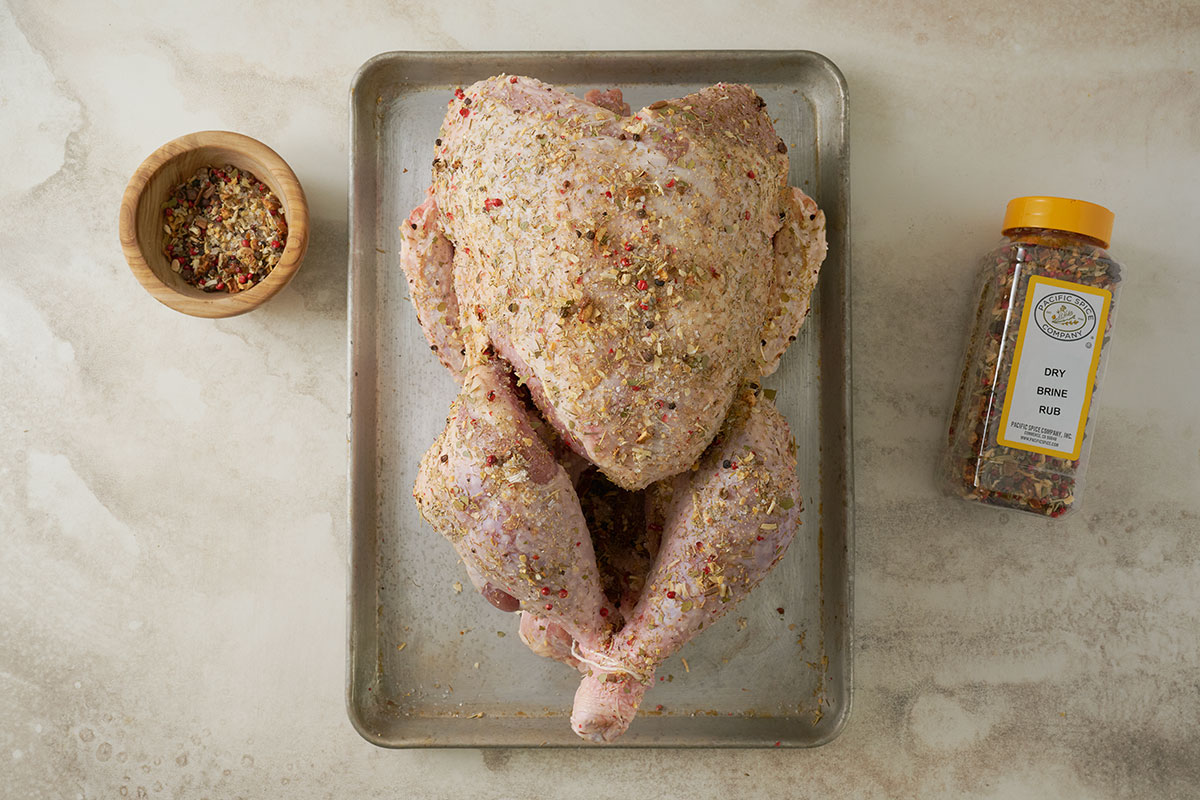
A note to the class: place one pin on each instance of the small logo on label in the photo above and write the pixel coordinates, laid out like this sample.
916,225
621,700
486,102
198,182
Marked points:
1064,316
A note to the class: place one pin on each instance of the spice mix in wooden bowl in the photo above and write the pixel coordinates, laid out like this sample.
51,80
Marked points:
214,224
225,229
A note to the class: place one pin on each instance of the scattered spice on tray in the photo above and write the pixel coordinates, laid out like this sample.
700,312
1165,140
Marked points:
979,467
225,230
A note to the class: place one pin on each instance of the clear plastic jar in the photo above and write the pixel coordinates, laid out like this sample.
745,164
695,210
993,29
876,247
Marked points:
1024,416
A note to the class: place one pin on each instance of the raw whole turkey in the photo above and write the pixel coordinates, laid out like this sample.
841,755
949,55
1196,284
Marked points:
609,288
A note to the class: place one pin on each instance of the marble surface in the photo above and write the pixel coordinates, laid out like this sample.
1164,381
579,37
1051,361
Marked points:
172,531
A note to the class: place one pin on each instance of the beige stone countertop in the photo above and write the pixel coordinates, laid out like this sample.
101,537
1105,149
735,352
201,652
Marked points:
173,542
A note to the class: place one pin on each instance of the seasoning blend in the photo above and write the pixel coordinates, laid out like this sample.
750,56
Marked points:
1022,422
225,230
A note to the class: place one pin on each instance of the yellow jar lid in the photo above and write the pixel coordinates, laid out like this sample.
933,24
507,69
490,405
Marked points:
1060,214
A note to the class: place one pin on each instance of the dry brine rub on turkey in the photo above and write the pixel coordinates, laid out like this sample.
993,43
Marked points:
609,288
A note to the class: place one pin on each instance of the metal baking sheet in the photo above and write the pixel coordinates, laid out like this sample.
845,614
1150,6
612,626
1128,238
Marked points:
432,667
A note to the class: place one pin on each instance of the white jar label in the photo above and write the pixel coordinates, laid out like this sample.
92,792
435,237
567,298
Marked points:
1054,367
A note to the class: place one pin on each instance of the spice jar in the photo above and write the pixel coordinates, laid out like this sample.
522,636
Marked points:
1023,419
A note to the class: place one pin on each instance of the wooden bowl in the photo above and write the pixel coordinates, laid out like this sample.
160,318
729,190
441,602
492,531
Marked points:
141,224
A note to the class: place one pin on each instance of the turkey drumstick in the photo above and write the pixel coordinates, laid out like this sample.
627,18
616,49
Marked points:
490,486
625,541
726,525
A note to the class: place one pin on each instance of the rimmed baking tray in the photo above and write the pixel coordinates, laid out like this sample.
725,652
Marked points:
430,663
